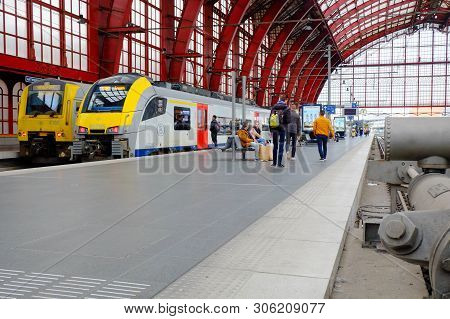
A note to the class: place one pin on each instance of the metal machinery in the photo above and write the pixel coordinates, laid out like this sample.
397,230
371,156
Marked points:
416,158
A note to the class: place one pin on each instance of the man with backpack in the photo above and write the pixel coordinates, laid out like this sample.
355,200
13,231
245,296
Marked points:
280,117
214,127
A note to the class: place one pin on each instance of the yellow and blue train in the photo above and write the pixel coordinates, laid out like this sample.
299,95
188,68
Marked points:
126,115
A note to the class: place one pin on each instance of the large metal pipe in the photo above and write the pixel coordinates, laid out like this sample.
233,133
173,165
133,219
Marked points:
414,139
430,192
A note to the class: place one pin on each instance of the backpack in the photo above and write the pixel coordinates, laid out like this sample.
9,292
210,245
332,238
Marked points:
280,117
214,127
274,120
286,116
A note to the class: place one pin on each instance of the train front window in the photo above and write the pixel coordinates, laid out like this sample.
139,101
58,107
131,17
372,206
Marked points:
44,103
107,98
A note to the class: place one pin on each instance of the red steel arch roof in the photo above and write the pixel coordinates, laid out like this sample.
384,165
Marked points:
352,21
301,31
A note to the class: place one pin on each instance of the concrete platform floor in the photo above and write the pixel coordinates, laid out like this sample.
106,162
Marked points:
127,229
293,250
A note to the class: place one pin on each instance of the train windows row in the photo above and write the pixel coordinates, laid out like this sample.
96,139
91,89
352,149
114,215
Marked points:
182,117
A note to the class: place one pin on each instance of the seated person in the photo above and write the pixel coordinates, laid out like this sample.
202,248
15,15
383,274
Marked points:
228,144
247,140
255,132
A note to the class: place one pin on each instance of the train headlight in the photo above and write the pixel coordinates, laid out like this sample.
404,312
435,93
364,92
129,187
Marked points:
22,134
60,134
82,130
113,130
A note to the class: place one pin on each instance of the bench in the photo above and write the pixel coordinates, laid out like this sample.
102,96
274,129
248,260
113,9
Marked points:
240,148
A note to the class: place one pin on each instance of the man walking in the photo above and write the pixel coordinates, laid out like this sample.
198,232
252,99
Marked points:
214,128
279,118
322,130
293,131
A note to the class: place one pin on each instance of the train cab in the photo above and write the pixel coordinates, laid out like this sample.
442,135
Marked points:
106,121
46,118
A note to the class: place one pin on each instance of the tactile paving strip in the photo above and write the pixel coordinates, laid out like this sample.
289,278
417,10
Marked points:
35,285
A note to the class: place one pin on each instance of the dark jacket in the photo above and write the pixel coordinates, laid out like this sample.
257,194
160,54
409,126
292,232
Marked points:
294,125
281,108
214,126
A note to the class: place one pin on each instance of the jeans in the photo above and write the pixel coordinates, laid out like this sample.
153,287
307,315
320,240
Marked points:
322,141
214,138
278,146
256,147
291,137
261,141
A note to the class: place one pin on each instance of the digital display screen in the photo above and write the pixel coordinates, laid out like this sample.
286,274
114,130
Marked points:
339,124
350,111
310,113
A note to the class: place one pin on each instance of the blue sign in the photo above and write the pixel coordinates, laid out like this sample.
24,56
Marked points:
31,79
355,105
330,109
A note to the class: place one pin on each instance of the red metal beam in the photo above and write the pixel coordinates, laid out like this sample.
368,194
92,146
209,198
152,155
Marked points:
93,36
167,35
349,14
113,14
373,15
258,36
40,69
227,35
288,60
309,68
299,64
327,27
276,48
208,30
360,44
124,30
184,34
330,10
320,76
354,48
317,88
309,77
367,30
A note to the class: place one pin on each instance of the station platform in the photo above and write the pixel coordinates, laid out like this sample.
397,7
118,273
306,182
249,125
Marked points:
193,225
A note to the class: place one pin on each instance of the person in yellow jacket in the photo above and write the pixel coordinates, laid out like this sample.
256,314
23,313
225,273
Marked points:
247,140
322,129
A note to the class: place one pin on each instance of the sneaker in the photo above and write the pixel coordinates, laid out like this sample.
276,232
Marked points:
292,158
322,159
281,165
325,159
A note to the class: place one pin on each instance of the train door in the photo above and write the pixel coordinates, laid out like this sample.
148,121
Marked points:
202,126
